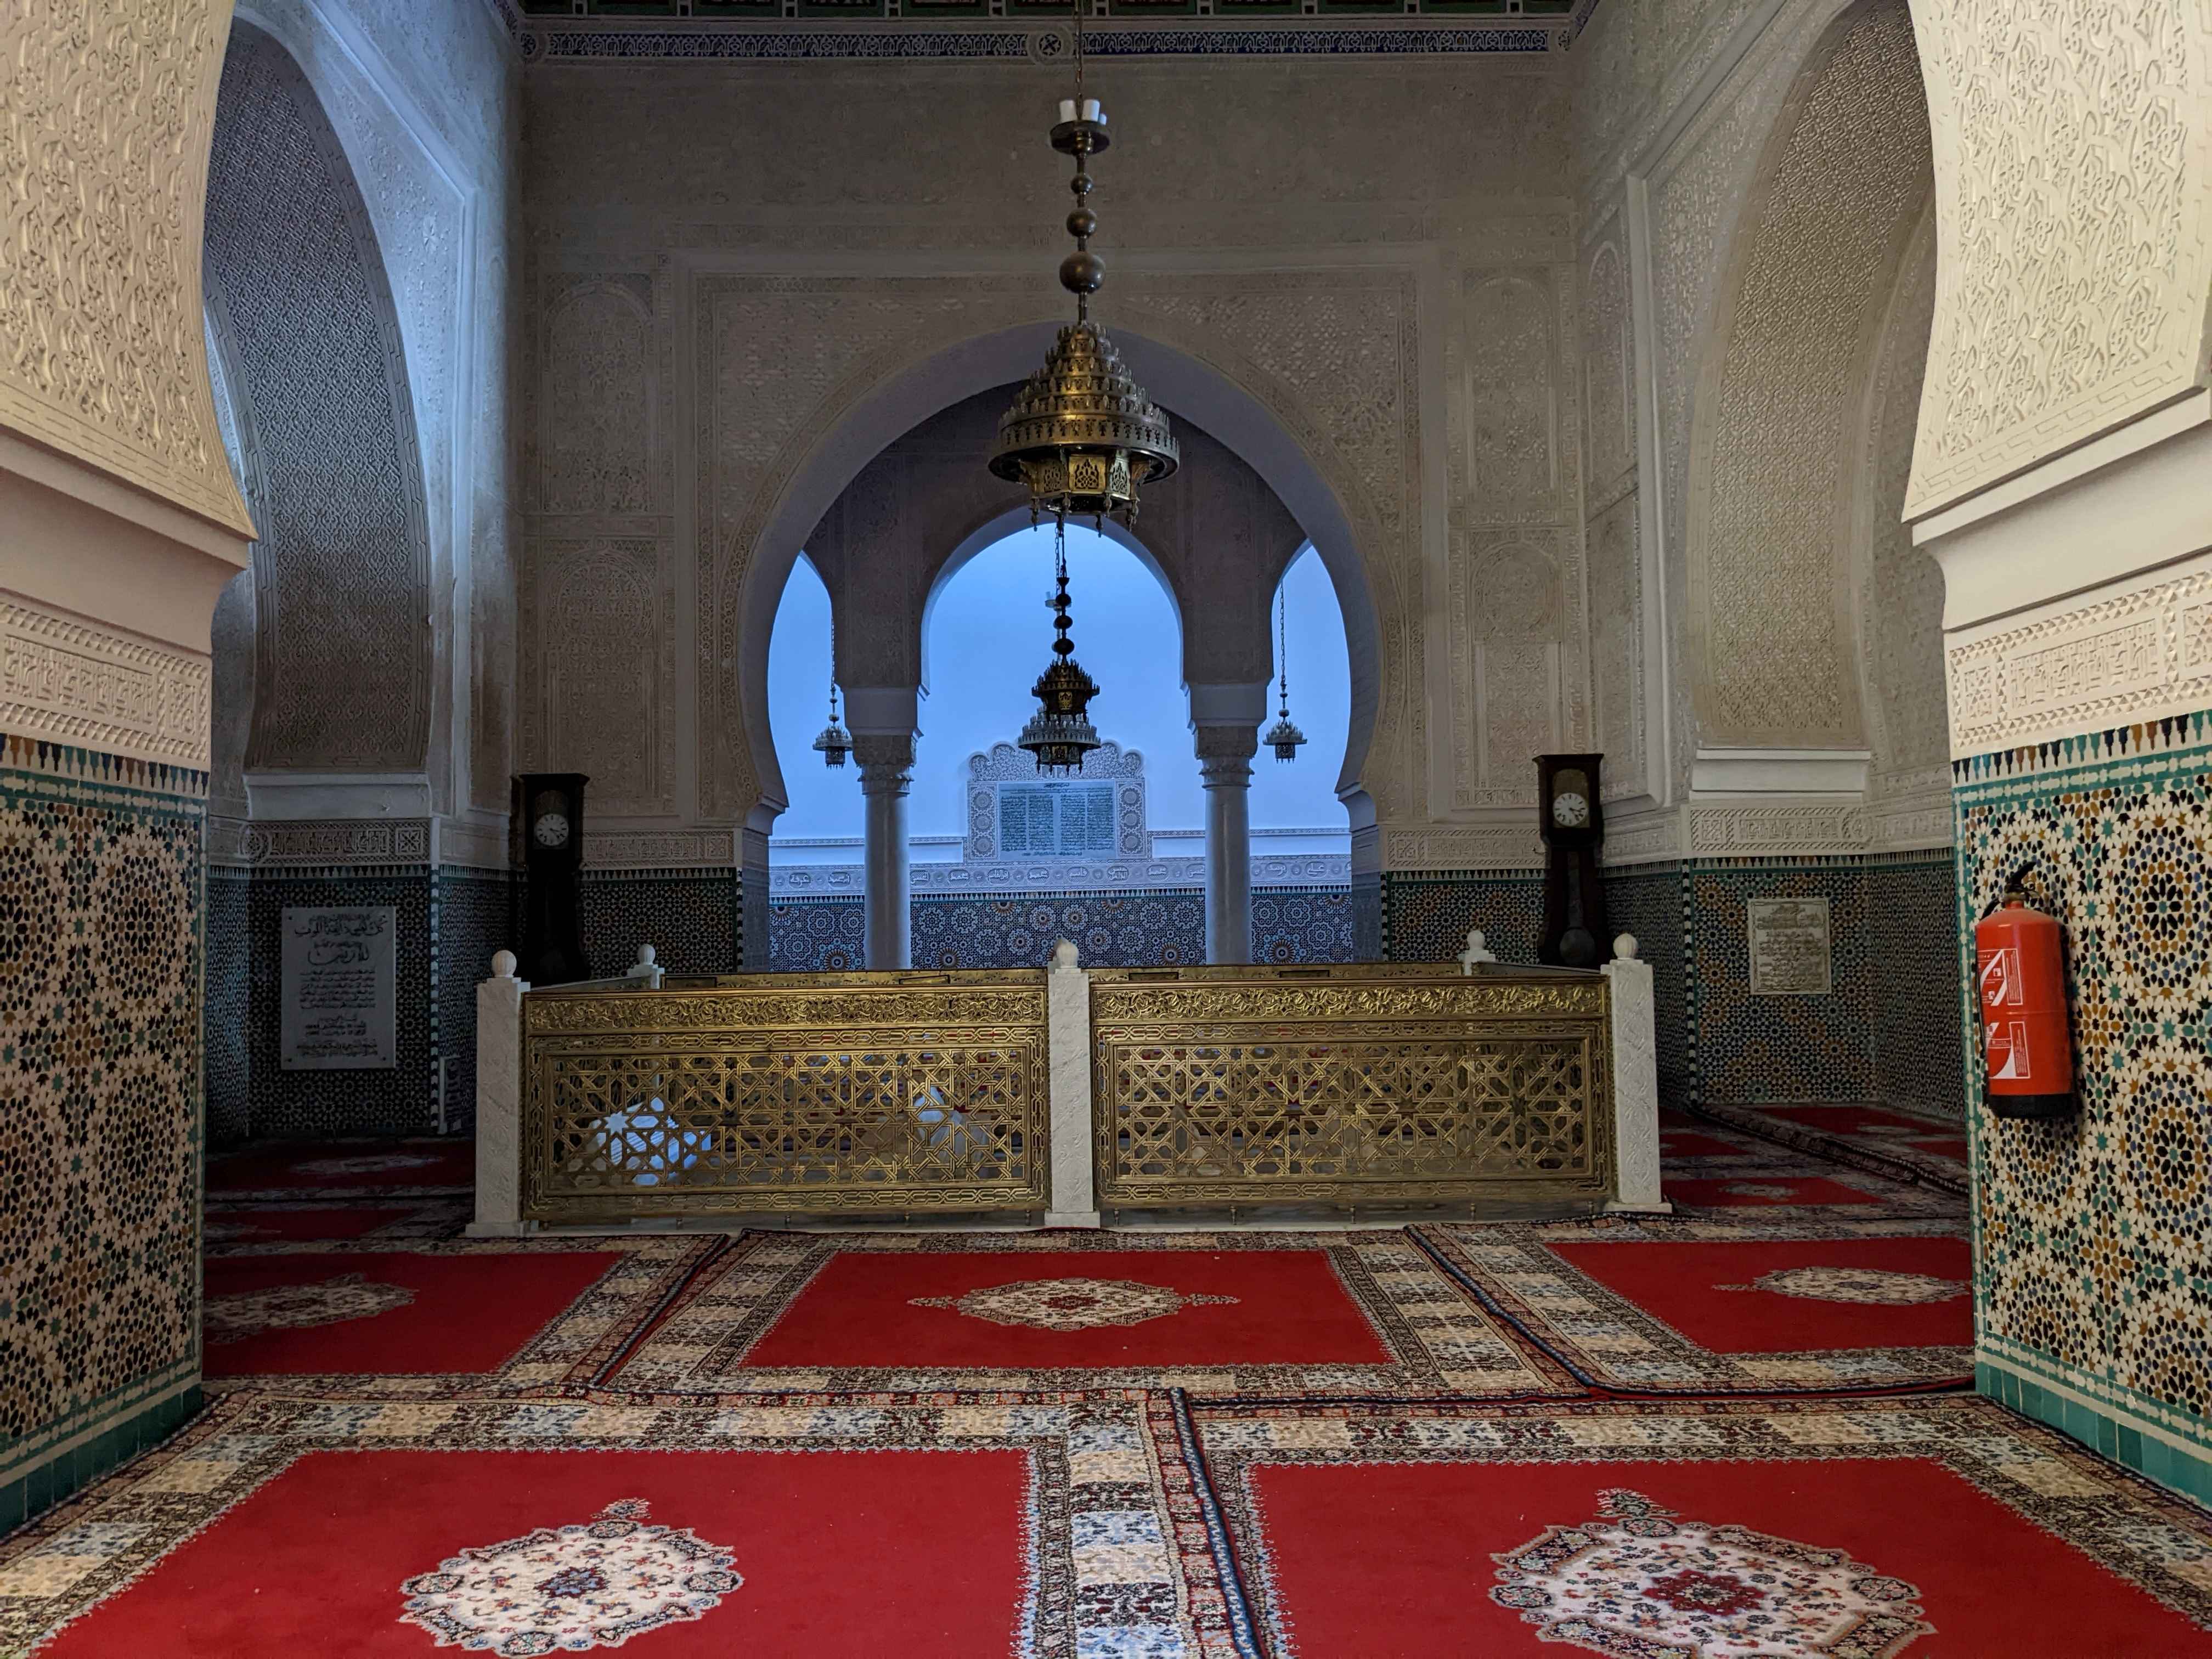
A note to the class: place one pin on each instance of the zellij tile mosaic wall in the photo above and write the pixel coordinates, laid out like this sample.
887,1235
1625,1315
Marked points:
1887,1030
2093,1233
1113,930
100,932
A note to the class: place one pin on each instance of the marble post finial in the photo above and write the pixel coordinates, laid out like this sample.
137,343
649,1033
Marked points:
1624,945
1065,955
1477,950
502,964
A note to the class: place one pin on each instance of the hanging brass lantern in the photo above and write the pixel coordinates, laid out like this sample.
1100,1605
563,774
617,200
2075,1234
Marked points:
1060,734
834,743
1083,437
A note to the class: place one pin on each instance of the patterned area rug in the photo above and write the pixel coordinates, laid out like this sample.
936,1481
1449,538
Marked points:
1707,1530
1713,1165
1889,1141
367,1319
230,1225
309,1170
1265,1314
1761,1305
1109,1446
523,1528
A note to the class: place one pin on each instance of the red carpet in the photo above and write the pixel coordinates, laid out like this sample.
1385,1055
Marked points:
1795,1296
1114,1307
1675,1144
1404,1560
789,1555
1871,1123
270,1225
285,1166
386,1313
1898,1144
1763,1191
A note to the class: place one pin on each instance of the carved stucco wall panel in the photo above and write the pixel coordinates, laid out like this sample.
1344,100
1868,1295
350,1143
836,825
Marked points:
597,619
425,103
80,683
1900,585
599,439
2135,653
1608,370
1335,356
1511,387
1514,641
1617,648
1422,135
1773,454
231,631
1509,617
103,160
343,566
2075,211
1695,196
762,407
1632,67
598,613
1331,354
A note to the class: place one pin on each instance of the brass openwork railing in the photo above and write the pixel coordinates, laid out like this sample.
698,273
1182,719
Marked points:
847,1093
1349,1086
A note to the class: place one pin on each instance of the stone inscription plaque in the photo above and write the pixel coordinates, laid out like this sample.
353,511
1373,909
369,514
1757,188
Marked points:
1789,955
340,988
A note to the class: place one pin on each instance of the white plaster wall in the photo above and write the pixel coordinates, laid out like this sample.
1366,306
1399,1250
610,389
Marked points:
1354,251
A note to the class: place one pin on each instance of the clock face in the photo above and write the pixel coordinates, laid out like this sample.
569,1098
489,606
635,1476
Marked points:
551,830
1570,811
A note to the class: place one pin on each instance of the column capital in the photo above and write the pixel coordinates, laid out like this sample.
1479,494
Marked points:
1225,754
885,761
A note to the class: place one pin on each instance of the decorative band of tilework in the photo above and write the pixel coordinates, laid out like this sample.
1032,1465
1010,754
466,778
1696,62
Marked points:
43,756
1340,37
2174,731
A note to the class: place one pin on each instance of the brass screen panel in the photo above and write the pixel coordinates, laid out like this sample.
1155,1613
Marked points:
1373,1087
850,1094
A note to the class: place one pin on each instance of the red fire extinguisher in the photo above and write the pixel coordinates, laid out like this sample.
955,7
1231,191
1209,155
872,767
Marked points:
2021,960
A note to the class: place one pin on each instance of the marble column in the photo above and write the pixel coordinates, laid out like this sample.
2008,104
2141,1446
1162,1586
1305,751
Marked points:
886,764
1225,757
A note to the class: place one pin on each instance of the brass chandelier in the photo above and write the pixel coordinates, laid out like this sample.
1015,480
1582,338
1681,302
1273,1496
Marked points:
1082,437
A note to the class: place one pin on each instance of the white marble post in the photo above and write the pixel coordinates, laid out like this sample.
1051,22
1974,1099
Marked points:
1225,722
1225,754
499,1102
886,763
1068,1030
1635,1084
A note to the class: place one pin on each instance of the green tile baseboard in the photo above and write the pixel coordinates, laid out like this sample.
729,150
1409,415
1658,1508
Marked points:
78,1465
2151,1453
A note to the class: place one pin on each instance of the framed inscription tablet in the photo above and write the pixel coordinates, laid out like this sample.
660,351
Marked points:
1789,955
340,988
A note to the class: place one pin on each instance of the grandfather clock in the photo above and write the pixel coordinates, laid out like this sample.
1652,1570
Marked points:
547,831
1575,934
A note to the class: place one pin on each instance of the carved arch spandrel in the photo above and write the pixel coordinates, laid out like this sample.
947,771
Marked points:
898,356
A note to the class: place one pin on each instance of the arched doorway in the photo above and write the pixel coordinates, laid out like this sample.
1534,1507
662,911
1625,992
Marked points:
1307,489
